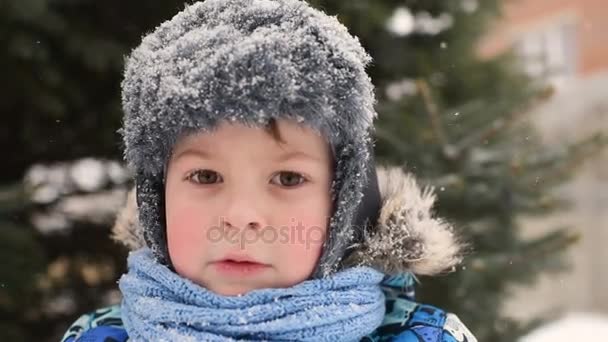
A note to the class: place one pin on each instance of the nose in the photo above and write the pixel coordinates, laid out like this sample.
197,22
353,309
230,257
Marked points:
253,225
242,210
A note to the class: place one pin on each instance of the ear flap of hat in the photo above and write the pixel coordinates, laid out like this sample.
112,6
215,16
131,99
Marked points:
407,238
145,202
369,209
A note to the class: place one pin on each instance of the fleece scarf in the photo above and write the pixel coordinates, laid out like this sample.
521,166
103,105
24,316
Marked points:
160,305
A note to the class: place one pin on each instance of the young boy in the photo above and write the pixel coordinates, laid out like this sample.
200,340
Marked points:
260,212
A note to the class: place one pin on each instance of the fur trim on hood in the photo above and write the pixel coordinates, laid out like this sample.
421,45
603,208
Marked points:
407,237
127,229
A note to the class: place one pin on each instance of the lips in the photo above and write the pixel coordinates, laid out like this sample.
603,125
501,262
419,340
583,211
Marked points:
239,269
239,258
239,265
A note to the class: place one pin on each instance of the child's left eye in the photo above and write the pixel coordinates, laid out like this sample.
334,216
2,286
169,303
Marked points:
288,178
204,177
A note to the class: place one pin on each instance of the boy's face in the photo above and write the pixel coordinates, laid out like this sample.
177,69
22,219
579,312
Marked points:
238,193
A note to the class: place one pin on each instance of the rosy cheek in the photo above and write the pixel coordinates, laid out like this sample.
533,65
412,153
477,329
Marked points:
298,263
186,238
314,230
301,250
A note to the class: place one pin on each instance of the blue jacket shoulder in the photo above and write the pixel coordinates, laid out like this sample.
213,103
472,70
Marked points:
101,325
408,321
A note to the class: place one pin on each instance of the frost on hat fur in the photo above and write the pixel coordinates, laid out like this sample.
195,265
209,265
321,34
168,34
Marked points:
406,238
248,61
244,61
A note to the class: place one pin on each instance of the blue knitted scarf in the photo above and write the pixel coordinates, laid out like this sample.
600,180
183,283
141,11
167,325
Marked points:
159,305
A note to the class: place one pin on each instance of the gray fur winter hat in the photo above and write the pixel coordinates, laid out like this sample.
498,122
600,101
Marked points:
251,61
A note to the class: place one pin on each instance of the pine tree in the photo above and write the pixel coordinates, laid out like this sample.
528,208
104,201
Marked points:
461,124
63,64
61,85
22,259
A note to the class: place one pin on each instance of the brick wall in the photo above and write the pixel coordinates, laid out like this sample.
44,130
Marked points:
588,17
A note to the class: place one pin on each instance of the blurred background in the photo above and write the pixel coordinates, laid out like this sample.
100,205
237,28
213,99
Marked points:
502,106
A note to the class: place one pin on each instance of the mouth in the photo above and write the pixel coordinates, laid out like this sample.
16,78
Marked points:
239,265
239,258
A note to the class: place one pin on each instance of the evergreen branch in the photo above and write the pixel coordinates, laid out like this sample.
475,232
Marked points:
576,155
12,198
392,139
502,123
548,245
433,112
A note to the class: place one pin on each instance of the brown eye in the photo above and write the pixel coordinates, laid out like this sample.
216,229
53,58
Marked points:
289,178
204,177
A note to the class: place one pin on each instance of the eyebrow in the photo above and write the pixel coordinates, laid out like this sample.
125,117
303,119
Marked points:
193,152
296,155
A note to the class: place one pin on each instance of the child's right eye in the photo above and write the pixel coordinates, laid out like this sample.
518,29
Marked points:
204,177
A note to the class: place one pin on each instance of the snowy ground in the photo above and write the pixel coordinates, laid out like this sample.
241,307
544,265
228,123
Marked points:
572,327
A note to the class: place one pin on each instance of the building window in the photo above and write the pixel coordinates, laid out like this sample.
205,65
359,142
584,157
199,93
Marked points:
550,53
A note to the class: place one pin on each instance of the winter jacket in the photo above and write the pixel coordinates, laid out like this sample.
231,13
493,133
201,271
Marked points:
405,221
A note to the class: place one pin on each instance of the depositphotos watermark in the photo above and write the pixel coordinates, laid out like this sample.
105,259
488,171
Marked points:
297,233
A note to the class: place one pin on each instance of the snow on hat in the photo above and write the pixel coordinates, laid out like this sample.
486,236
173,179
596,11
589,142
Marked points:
250,61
